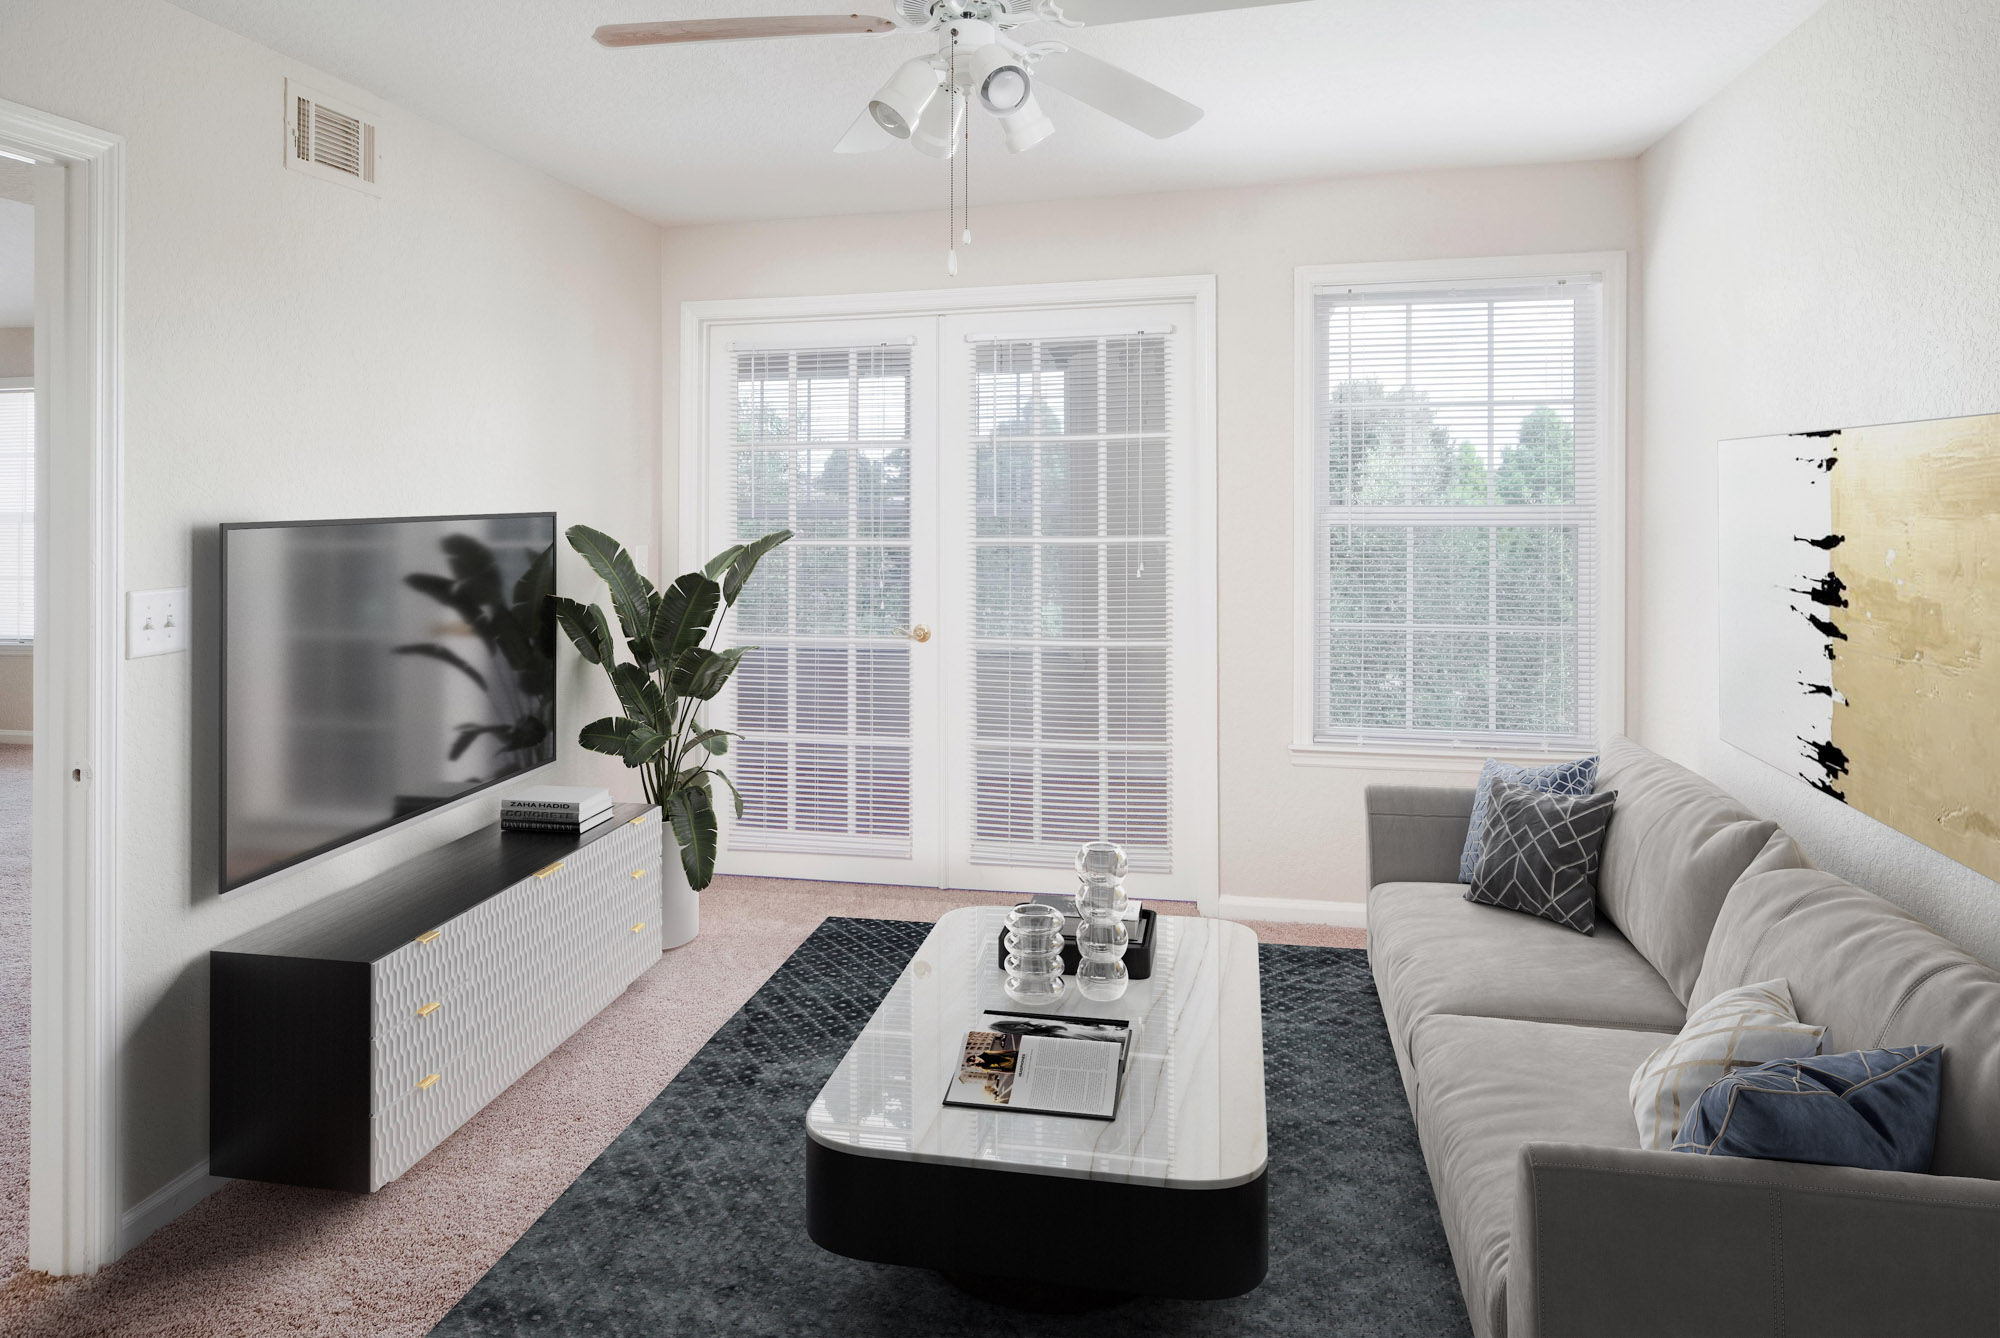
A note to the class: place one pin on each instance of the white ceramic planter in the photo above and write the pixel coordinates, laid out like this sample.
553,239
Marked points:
680,905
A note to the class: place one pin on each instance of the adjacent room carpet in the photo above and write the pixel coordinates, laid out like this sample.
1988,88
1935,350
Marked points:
693,1220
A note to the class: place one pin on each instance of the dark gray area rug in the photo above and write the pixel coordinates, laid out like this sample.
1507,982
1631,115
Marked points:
693,1220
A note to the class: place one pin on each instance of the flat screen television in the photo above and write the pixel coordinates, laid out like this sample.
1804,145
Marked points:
374,670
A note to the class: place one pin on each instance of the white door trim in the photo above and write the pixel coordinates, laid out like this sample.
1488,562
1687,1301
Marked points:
74,1181
1199,657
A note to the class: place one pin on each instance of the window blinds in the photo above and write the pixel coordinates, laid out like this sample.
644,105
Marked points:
17,515
1456,445
1072,636
821,446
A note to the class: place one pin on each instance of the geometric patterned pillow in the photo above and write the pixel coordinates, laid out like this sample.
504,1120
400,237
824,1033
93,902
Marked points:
1876,1109
1540,854
1557,778
1737,1029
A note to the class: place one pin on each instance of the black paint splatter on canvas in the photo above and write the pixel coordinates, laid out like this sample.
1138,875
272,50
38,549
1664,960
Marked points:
1829,590
1829,543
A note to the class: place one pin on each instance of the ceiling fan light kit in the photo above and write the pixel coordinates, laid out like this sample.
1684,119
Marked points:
900,104
977,60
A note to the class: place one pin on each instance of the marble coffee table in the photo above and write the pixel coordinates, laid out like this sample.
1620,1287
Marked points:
1170,1196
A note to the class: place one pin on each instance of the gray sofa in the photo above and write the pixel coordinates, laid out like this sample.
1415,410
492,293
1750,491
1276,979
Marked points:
1517,1039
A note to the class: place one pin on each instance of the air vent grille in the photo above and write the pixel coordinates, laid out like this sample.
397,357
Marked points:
327,140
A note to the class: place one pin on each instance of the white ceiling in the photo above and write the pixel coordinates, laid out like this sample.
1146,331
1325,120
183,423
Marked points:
1298,91
17,264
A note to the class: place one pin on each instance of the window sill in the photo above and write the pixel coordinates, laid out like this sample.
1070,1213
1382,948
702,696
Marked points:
17,648
1462,761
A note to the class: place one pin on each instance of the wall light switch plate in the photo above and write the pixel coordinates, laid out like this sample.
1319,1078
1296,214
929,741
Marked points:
155,622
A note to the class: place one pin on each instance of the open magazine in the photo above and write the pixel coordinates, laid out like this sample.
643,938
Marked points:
1043,1065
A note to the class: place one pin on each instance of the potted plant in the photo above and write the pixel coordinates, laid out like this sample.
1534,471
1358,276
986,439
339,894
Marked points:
673,671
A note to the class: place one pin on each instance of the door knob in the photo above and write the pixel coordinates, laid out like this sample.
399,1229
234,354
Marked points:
920,632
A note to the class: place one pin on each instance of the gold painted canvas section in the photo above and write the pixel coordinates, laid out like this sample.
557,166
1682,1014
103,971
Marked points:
1919,672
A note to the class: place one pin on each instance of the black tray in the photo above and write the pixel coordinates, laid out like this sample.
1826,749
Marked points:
1138,953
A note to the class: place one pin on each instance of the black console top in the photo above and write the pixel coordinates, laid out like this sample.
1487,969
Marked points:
371,921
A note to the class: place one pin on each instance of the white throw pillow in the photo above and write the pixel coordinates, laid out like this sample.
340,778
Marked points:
1737,1028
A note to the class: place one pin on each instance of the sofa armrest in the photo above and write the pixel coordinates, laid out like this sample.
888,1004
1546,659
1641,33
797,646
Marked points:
1616,1241
1415,833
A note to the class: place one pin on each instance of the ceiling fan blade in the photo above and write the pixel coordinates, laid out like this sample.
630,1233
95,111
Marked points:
865,136
1118,93
738,30
1096,13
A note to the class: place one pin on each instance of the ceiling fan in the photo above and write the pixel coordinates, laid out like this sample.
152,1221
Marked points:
978,61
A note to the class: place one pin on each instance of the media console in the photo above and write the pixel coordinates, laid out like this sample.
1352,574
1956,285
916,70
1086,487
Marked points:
349,1039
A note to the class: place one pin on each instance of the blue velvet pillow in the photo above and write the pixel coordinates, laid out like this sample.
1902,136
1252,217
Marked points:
1557,778
1876,1109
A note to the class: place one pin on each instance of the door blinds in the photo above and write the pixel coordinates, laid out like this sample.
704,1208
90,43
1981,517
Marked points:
17,515
1071,630
821,446
1456,450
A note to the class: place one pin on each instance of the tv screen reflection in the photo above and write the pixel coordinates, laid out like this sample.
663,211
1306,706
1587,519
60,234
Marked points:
375,670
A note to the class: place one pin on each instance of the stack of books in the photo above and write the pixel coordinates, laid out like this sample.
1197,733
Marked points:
555,808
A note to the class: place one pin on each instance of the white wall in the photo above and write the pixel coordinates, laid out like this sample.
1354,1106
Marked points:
1822,248
17,351
1287,830
479,338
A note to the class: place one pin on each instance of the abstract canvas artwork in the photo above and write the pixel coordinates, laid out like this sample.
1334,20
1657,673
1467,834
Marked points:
1860,580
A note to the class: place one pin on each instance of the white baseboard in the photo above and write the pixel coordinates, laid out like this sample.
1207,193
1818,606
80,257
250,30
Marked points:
1295,910
17,736
166,1203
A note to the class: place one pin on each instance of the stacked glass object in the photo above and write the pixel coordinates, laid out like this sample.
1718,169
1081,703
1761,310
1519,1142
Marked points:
1101,936
1035,954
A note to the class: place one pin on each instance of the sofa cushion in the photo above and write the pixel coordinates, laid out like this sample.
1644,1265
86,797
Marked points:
1540,854
1874,977
1575,777
1738,1028
1875,1109
1490,1085
1433,951
1676,845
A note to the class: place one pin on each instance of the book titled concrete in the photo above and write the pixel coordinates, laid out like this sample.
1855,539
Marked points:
1041,1065
557,801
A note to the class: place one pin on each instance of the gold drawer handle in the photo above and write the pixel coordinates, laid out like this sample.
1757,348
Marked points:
636,821
429,1008
638,873
553,868
427,1083
430,936
637,927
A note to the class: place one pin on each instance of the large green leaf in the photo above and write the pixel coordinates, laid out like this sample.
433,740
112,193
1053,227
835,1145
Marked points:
637,744
445,655
631,593
631,682
587,628
702,673
722,561
735,793
740,570
692,812
686,609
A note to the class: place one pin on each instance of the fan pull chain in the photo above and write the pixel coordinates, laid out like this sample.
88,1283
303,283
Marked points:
967,238
951,160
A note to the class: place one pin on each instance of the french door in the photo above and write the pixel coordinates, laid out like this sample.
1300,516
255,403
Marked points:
985,644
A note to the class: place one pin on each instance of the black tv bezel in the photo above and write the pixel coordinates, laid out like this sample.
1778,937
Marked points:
223,531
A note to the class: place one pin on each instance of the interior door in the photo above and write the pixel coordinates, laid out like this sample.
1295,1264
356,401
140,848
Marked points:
1065,478
829,429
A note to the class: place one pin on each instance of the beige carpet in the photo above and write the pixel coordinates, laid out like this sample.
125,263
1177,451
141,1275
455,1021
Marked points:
264,1259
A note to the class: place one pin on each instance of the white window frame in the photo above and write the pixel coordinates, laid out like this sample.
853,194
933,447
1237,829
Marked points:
1608,267
686,482
13,645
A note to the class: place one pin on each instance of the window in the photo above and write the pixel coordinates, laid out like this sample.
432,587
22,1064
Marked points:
1457,439
17,516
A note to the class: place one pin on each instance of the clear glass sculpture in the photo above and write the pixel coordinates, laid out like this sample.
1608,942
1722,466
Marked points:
1101,936
1035,954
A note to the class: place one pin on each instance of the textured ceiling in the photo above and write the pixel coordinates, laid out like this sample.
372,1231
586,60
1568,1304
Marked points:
1312,89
